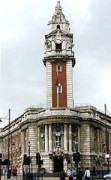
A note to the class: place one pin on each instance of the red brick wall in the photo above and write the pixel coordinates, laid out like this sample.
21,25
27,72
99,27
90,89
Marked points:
62,81
19,137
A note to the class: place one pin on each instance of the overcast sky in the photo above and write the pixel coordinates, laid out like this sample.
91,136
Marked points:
23,25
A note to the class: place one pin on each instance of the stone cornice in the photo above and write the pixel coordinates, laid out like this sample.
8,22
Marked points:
56,115
96,121
55,58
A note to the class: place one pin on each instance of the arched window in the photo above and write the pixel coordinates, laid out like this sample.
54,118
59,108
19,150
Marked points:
58,26
57,137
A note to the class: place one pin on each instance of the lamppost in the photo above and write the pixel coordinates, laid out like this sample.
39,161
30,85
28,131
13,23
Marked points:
8,163
8,172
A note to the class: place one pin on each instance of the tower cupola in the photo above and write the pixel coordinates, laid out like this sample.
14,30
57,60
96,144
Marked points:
59,40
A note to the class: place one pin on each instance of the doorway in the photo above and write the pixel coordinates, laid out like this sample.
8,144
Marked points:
58,164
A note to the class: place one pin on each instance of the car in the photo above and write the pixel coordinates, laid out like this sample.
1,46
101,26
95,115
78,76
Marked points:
107,176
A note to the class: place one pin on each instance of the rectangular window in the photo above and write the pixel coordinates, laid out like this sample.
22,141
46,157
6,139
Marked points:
59,68
43,144
59,88
58,141
75,146
59,46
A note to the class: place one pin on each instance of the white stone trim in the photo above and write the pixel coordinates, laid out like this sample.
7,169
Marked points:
49,84
69,75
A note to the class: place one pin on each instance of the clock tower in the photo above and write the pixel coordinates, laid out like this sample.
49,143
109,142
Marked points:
59,61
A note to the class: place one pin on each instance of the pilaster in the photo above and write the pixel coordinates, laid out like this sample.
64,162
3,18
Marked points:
49,84
22,144
33,138
65,138
46,138
85,145
69,73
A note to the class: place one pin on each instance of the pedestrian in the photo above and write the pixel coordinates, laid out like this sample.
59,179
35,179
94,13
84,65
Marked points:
12,172
70,174
15,172
62,175
94,171
87,174
79,174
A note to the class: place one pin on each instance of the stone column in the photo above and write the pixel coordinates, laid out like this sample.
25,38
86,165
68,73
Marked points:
65,138
70,139
46,138
50,138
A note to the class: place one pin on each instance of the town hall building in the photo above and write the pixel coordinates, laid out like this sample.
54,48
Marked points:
61,130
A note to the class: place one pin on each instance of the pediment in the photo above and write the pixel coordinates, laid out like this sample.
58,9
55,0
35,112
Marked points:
61,32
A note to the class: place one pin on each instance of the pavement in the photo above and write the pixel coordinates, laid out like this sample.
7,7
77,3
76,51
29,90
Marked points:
20,178
40,178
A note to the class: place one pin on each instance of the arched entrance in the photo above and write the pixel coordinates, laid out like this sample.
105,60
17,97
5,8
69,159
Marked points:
58,164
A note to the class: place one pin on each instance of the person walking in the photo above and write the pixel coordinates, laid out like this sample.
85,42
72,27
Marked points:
87,174
70,174
62,175
79,174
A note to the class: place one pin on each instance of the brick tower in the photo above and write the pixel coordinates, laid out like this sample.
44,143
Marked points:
59,61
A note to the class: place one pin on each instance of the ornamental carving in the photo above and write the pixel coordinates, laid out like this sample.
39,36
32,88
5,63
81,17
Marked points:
48,44
69,45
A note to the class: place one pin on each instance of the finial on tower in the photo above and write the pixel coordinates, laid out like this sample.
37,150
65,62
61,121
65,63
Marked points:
58,7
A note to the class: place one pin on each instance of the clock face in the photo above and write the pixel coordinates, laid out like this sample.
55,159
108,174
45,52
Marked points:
58,41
